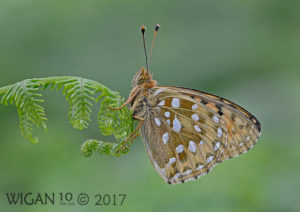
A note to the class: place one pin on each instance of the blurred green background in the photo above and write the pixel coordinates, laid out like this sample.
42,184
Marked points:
246,51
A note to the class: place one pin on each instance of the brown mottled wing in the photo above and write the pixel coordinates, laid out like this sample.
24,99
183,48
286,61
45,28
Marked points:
187,132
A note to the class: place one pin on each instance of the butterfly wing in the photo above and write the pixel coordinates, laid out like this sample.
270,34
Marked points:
187,132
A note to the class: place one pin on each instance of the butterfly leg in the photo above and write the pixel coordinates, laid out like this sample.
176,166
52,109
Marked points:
128,100
132,136
138,118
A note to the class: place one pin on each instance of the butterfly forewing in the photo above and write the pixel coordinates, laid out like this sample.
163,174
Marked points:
188,132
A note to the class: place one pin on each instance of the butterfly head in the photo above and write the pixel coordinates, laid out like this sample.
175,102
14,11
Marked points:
142,77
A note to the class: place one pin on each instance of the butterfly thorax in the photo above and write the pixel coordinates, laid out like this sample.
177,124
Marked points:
142,84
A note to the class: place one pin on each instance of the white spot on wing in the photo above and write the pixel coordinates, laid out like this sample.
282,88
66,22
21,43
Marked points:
216,119
220,132
187,172
165,137
197,128
162,103
179,148
209,159
158,91
217,145
177,175
172,160
247,138
189,179
167,114
201,142
199,167
194,107
168,121
176,125
195,117
192,146
157,121
175,102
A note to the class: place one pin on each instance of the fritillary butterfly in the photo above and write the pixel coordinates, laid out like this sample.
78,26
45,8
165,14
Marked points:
187,132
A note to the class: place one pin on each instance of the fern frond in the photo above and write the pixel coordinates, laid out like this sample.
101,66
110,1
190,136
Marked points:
111,122
103,148
80,94
26,98
26,127
114,122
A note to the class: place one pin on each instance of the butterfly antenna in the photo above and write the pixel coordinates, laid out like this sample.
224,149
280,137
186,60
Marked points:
143,29
154,36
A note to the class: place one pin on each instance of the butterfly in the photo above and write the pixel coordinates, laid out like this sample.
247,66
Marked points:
187,132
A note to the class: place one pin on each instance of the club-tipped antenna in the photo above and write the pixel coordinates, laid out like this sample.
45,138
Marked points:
153,40
143,29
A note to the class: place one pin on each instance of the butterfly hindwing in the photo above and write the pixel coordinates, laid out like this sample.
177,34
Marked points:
188,132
